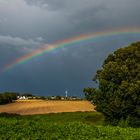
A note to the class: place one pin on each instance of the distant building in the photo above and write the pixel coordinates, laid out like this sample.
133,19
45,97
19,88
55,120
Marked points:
22,97
62,98
53,97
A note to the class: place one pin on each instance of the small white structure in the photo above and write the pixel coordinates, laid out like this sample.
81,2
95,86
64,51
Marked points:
22,98
53,97
62,98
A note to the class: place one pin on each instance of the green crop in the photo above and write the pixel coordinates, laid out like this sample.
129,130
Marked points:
62,126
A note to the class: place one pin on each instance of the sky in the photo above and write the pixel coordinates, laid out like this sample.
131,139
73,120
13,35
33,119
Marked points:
26,25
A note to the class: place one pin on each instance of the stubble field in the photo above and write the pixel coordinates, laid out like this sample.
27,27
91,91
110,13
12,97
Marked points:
30,107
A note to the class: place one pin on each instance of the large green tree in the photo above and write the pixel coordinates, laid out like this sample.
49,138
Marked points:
118,95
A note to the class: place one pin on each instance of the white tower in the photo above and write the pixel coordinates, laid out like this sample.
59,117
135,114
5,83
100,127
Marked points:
66,92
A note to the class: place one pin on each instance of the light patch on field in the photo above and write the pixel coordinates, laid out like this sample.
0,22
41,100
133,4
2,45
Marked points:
30,107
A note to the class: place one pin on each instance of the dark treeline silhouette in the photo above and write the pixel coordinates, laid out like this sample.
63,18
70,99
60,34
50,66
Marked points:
7,97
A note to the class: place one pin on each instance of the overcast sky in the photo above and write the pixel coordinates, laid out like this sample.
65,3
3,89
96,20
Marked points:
27,24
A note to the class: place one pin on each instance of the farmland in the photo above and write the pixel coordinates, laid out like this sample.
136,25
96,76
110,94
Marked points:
62,126
58,120
30,107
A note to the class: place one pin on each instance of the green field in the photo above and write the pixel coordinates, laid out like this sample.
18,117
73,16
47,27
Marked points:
62,126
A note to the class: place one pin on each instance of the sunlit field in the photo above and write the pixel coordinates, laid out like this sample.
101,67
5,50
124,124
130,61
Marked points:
29,107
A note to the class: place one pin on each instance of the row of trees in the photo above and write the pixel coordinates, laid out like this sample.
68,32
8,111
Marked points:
7,97
118,94
58,97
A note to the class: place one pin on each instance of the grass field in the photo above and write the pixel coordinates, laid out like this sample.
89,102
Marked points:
69,125
30,107
62,126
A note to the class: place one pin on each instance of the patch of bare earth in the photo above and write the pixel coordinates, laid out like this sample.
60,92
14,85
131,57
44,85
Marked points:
30,107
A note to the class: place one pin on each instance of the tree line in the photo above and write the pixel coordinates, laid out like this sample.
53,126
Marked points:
7,97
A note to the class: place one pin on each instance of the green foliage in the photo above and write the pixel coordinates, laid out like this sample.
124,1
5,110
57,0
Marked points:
89,93
7,97
4,114
62,126
42,97
58,97
118,95
124,123
27,95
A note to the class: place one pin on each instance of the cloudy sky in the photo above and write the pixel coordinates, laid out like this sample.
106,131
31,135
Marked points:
25,25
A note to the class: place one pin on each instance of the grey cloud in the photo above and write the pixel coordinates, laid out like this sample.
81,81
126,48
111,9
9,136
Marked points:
31,23
65,18
49,4
20,43
40,39
13,47
82,16
3,20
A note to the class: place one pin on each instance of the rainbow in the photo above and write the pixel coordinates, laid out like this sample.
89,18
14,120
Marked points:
67,42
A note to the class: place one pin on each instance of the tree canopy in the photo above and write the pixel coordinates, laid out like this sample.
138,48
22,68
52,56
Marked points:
118,94
7,97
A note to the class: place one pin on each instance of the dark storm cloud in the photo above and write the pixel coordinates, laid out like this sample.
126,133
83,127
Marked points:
93,14
13,47
17,45
26,24
55,72
20,42
54,20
